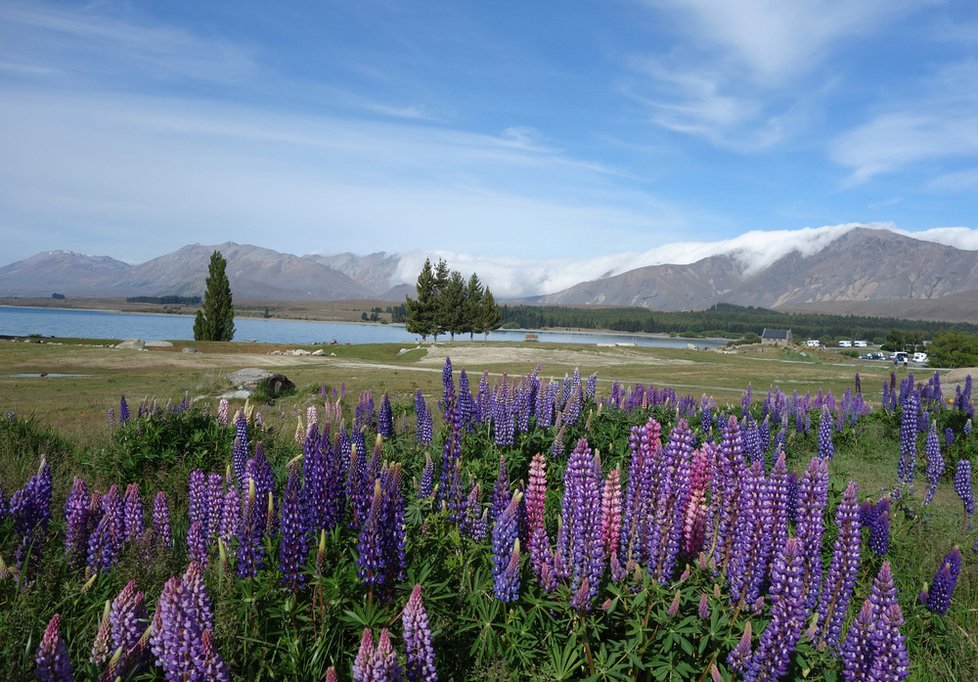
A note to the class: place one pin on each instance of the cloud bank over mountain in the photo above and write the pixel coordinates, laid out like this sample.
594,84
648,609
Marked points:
755,250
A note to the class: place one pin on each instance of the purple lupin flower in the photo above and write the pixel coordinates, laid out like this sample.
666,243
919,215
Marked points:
293,548
215,505
726,488
505,545
673,485
212,666
197,543
890,660
876,633
472,523
938,596
644,443
879,531
450,484
162,530
385,667
579,541
105,542
239,453
198,498
76,522
417,640
740,655
251,549
426,486
747,567
843,571
500,492
52,655
962,486
394,536
133,513
857,648
230,513
385,417
908,438
123,410
778,508
703,611
826,448
935,462
181,630
770,661
370,549
127,618
30,508
813,492
466,407
423,430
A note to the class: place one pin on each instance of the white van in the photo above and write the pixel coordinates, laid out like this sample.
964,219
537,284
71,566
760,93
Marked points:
845,344
920,357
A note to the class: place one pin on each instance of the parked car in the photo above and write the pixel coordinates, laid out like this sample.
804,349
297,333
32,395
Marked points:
876,355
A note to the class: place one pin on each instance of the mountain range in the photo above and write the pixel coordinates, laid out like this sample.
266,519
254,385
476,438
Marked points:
863,271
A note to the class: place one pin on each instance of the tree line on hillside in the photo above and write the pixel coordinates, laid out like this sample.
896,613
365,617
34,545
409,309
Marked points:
447,304
722,319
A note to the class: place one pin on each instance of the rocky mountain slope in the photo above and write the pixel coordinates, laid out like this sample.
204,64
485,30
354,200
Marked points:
863,271
852,273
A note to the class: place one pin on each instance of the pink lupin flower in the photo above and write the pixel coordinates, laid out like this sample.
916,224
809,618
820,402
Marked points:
611,512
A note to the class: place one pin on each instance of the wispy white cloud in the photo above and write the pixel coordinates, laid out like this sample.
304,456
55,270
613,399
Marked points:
959,237
734,78
755,250
956,181
939,122
777,40
299,183
86,42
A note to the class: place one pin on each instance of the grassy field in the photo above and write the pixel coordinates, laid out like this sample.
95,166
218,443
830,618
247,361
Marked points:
94,376
262,629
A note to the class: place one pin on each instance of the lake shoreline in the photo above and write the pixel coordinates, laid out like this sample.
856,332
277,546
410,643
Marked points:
327,311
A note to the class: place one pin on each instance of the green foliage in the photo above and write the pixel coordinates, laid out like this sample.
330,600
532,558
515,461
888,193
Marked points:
420,312
722,319
215,320
951,348
447,304
162,439
264,632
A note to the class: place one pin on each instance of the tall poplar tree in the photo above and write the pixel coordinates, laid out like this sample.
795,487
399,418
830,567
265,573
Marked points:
215,320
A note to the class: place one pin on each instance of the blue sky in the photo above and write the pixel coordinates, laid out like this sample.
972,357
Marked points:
555,132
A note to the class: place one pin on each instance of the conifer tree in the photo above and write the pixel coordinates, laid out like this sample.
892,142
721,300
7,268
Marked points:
451,305
420,313
490,316
473,302
215,320
442,276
